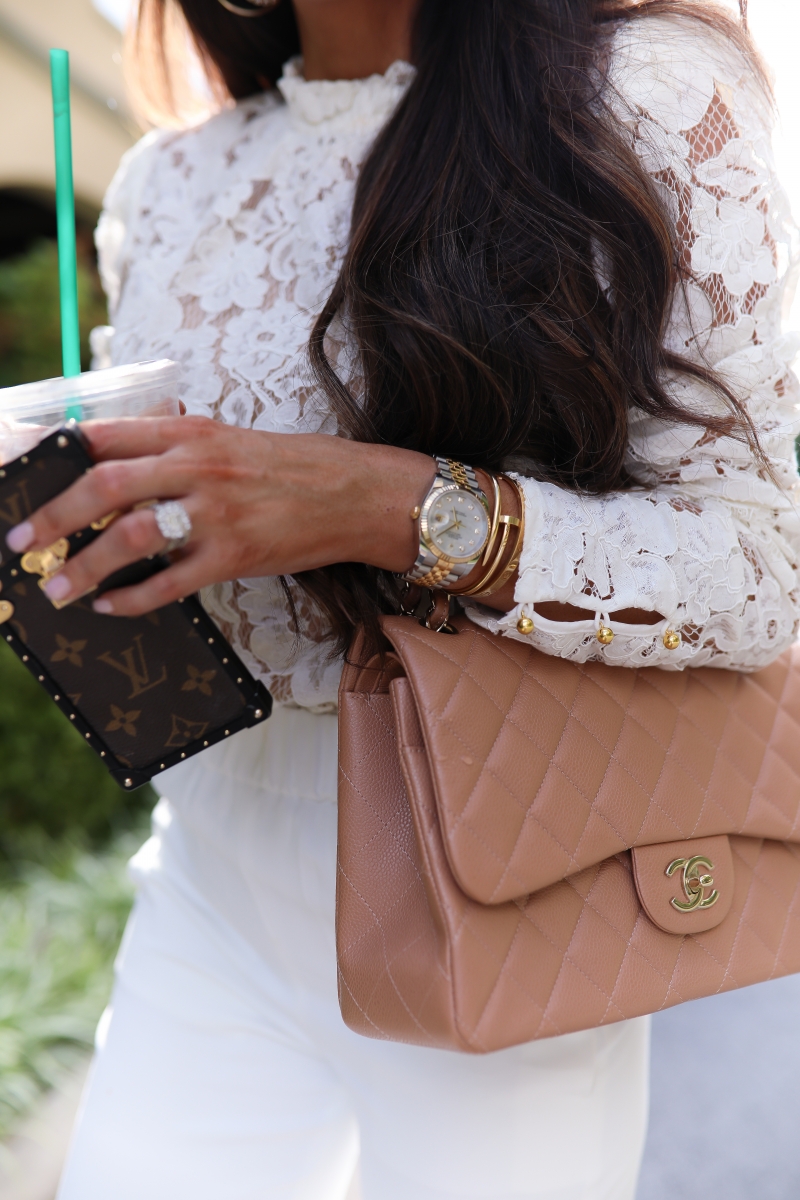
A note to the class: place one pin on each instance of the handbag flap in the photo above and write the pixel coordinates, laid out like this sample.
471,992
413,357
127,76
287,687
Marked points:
543,767
685,887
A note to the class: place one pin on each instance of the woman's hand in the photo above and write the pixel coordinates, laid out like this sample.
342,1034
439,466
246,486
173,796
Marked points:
260,504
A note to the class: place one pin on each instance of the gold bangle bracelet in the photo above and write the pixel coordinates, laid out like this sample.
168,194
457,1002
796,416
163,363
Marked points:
498,508
493,585
496,575
513,563
489,549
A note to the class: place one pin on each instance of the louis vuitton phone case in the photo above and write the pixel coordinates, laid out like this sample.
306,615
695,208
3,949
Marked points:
145,692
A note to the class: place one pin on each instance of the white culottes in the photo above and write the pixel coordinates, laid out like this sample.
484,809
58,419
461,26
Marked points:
223,1068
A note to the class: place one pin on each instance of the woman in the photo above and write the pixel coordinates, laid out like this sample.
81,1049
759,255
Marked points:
556,245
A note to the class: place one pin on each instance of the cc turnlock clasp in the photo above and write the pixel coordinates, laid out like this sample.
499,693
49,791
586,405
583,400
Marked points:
695,883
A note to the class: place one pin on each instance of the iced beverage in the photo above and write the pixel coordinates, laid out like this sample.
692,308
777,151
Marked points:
31,411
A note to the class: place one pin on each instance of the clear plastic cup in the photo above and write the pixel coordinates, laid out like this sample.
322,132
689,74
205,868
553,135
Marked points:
32,410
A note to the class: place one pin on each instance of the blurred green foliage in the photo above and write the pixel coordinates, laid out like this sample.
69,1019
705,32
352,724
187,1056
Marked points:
51,783
60,925
30,326
66,828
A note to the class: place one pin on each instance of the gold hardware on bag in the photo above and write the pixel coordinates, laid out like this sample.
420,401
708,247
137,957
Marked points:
47,562
525,626
437,618
6,611
605,635
694,883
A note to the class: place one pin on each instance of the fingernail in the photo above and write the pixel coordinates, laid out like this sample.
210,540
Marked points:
103,606
57,588
20,537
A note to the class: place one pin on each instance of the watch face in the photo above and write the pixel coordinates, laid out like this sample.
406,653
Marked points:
457,524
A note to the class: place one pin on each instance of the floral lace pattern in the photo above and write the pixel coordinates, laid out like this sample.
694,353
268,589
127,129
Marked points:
706,540
219,244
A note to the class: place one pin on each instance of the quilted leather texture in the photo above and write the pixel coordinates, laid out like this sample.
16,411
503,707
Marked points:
543,767
423,959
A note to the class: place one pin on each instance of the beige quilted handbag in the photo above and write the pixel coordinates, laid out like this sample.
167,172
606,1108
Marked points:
529,847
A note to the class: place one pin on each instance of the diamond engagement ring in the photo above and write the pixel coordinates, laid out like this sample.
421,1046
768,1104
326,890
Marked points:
174,523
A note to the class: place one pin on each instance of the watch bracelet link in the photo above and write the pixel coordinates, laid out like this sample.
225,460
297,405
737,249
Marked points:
435,571
438,575
457,472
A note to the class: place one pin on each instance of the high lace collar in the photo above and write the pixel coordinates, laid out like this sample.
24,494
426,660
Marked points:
344,103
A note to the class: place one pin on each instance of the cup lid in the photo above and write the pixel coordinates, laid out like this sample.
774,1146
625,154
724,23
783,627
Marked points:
28,400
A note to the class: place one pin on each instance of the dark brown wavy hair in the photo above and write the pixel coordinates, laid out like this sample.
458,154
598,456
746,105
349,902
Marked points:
470,285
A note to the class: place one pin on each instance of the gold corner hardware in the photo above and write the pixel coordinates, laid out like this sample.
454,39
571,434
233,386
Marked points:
694,883
104,522
47,562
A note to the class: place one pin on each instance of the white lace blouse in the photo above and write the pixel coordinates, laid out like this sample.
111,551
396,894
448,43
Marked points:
218,245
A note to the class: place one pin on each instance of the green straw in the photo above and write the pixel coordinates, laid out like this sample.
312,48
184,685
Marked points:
65,217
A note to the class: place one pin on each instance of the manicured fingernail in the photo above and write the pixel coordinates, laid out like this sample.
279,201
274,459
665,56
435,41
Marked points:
103,606
57,588
20,537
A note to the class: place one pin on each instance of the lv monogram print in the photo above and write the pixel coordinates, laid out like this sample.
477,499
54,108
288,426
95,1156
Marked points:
21,493
68,651
123,720
135,667
141,691
15,506
198,679
148,688
184,731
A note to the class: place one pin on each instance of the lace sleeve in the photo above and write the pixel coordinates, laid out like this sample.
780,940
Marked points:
121,207
705,539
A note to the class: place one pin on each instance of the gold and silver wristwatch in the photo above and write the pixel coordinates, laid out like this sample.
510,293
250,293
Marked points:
454,523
